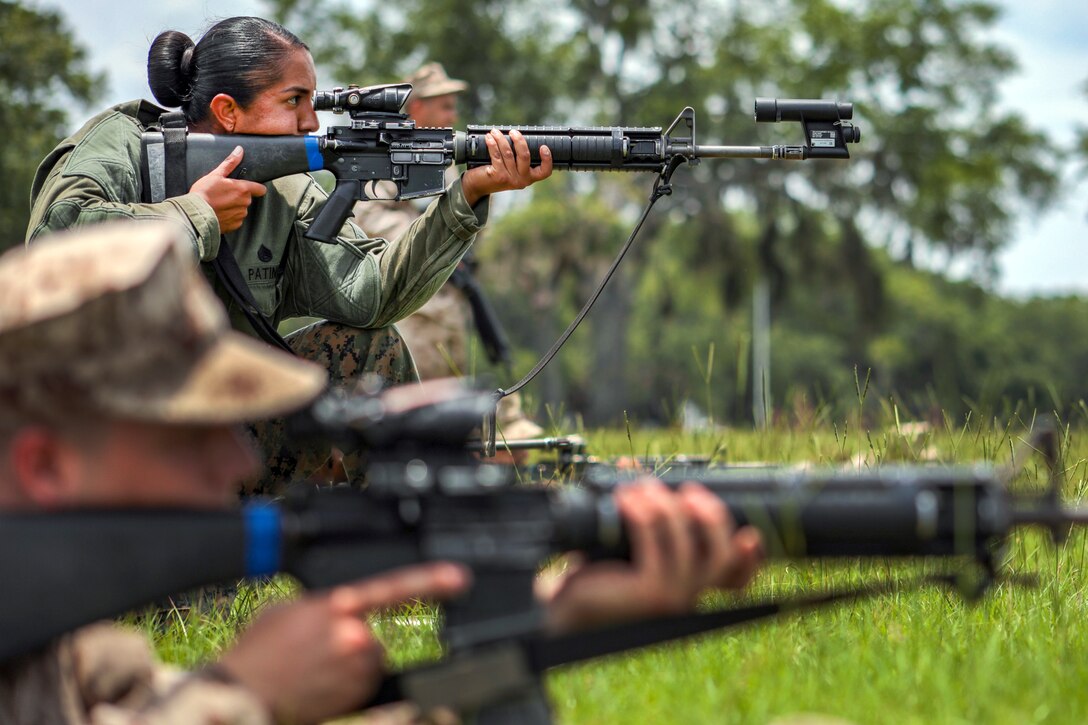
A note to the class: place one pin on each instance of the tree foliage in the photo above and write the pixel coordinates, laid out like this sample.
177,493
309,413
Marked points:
42,71
941,172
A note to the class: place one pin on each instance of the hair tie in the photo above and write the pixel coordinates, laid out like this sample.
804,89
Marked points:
185,66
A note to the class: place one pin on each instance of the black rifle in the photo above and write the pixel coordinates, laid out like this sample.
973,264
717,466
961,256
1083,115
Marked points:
571,460
383,144
486,320
427,501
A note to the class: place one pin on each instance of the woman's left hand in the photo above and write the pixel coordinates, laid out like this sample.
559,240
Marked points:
509,168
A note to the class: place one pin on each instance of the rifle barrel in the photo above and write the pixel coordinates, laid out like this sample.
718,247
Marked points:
788,153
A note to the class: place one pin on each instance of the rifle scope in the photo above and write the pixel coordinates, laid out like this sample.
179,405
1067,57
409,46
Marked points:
773,110
386,98
809,111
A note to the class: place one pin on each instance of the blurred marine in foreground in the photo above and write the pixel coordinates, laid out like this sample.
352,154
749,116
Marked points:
123,386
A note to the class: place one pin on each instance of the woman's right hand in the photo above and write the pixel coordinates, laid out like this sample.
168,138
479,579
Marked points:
229,198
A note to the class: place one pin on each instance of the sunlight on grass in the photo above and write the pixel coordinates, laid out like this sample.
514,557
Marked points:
1015,656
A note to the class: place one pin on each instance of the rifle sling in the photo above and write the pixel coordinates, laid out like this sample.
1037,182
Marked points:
487,324
174,130
227,270
553,651
662,187
542,652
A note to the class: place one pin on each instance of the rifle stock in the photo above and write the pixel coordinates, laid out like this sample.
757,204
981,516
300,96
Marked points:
67,569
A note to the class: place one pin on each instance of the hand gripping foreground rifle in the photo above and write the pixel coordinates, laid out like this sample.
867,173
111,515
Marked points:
383,144
427,500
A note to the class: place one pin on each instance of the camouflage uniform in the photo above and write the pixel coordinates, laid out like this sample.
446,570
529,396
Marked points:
437,333
104,675
135,335
362,284
347,355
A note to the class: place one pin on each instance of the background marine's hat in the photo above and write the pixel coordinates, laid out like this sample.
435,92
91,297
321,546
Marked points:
431,80
117,319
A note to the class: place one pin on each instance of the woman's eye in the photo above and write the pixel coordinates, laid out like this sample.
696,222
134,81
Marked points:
293,100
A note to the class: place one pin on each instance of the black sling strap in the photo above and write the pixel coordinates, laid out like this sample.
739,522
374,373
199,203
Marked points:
489,674
173,143
227,270
488,326
225,265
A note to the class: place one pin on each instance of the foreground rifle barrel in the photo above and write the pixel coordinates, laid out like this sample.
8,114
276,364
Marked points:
890,511
476,515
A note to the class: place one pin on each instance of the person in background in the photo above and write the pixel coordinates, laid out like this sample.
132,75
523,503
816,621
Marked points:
438,333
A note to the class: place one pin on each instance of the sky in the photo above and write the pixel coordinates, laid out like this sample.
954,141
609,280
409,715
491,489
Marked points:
1049,254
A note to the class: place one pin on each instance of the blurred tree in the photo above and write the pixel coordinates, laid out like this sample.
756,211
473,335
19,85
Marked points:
42,71
1081,143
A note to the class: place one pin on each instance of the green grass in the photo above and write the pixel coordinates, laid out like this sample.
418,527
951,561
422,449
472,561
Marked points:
1019,655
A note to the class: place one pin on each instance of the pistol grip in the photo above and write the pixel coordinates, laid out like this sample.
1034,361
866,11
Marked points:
336,211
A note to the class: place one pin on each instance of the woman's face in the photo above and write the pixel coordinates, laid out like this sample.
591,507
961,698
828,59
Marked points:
286,106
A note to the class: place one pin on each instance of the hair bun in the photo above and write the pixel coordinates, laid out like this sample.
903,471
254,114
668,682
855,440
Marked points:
170,67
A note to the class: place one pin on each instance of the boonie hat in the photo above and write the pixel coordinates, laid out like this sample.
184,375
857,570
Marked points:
117,319
431,80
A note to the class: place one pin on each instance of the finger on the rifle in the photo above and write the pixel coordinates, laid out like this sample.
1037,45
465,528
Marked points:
431,580
230,163
749,545
253,188
677,537
544,170
505,150
644,515
714,528
521,152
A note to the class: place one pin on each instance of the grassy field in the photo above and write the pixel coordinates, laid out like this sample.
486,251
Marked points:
1019,655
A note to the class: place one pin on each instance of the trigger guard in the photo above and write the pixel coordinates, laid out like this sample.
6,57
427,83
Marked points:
370,189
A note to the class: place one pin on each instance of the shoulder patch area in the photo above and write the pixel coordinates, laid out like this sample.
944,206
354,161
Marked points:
109,154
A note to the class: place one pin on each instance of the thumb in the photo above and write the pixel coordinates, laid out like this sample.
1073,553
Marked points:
229,164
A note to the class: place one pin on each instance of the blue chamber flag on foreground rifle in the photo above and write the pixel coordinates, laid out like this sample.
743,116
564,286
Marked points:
429,499
382,144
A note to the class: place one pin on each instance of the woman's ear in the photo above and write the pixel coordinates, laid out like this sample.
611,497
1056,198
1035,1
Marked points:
224,113
45,468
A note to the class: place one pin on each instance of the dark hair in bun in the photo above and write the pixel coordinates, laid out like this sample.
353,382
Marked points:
238,56
169,76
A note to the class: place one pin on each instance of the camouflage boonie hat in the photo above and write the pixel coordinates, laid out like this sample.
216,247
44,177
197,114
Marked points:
431,80
117,319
